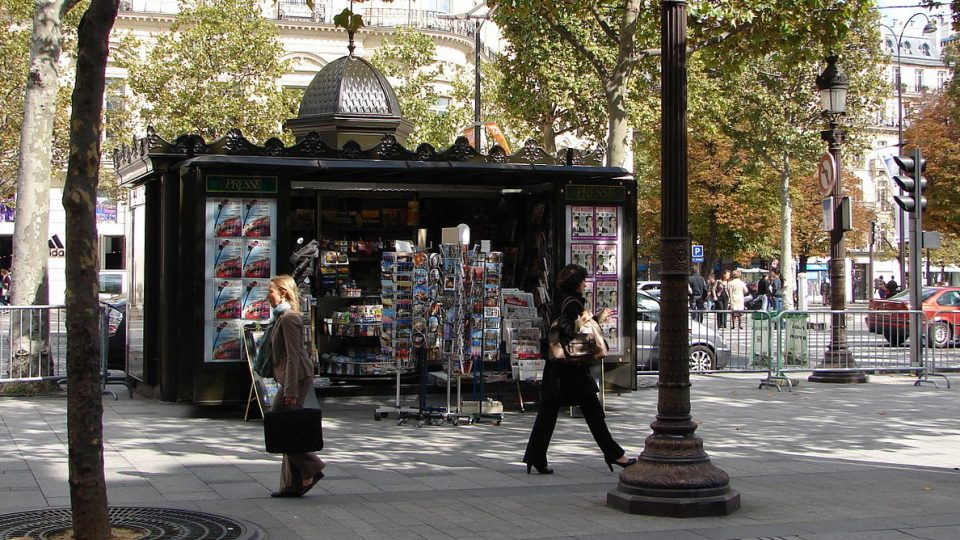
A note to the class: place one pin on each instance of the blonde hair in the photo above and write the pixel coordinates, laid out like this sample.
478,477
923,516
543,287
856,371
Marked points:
288,290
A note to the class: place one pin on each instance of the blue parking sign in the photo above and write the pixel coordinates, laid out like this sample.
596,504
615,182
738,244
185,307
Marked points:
697,252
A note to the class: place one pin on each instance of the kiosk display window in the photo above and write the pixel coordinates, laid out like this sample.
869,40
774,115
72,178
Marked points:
240,259
593,242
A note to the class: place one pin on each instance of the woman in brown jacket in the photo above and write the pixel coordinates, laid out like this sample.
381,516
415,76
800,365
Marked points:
294,373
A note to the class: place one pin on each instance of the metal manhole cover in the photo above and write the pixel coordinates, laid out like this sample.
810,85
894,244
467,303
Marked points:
157,523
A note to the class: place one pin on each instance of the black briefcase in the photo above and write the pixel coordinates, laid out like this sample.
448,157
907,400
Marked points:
293,431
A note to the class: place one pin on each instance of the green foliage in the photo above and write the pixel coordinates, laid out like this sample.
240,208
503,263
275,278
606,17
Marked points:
544,83
215,70
936,130
348,20
407,58
14,58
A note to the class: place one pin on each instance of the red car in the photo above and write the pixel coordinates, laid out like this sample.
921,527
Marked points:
941,306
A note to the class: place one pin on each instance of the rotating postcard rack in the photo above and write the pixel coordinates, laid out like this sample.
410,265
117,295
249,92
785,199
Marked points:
423,322
396,336
485,272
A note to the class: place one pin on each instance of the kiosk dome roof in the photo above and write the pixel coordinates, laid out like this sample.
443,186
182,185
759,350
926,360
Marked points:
351,85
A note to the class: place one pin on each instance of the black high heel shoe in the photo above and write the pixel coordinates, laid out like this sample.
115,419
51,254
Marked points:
541,469
623,465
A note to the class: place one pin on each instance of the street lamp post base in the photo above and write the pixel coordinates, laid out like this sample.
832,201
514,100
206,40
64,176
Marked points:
838,377
836,369
674,479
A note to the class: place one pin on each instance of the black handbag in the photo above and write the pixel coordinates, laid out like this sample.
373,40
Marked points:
293,431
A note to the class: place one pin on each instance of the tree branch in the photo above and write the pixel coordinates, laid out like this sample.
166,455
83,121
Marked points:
604,26
572,40
715,40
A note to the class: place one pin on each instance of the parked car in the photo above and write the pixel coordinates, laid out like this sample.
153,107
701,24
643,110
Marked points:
707,350
650,287
940,305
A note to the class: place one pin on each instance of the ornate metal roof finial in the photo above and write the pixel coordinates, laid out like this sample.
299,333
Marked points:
350,31
349,21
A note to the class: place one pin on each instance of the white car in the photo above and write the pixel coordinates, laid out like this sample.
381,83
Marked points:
650,287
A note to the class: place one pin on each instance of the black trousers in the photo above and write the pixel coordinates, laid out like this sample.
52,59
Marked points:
546,421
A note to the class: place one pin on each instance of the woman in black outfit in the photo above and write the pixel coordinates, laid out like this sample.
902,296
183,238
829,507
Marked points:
566,384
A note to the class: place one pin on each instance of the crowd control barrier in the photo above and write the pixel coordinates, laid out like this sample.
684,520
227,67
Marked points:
778,344
33,343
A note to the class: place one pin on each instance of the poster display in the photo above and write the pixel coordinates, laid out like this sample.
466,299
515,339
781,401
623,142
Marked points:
240,260
593,242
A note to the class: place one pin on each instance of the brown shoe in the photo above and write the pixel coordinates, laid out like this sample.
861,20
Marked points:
316,478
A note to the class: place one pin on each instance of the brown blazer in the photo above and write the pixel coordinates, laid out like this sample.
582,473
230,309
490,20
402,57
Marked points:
291,363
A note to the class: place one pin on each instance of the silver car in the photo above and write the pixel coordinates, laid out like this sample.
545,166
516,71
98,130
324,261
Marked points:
707,350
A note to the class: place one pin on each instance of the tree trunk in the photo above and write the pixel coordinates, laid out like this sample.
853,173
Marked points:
786,236
615,86
88,491
29,264
549,136
36,150
617,128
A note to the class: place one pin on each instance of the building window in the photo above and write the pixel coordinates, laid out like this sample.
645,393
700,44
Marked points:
114,105
441,105
442,6
894,76
111,252
918,80
941,79
925,49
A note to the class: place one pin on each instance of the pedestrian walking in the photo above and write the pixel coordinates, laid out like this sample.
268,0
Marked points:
571,384
293,371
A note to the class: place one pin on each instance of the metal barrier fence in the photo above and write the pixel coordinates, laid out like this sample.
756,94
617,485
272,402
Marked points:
780,343
33,343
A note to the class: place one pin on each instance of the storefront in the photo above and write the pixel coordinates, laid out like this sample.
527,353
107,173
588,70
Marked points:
209,224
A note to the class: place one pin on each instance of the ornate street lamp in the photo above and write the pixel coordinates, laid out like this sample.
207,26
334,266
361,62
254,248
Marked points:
928,28
837,360
674,476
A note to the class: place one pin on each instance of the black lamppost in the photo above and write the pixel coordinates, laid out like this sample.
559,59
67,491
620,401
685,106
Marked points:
673,476
478,21
832,85
928,28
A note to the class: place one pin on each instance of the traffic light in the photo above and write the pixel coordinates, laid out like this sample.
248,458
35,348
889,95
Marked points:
912,182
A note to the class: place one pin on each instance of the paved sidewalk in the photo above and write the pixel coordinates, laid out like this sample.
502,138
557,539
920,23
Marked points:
873,461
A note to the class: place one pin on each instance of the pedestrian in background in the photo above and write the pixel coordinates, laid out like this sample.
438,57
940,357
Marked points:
880,287
738,294
711,291
762,300
698,294
892,287
776,291
293,371
722,296
6,284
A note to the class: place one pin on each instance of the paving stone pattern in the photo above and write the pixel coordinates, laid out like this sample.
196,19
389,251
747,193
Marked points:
874,461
